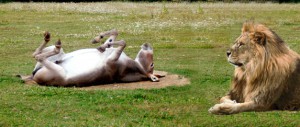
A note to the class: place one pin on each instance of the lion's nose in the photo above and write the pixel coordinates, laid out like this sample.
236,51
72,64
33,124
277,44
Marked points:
228,53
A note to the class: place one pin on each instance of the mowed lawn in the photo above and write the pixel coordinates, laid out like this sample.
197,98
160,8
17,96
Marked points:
189,39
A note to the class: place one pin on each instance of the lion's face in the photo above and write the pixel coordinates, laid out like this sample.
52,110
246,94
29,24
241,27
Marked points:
242,51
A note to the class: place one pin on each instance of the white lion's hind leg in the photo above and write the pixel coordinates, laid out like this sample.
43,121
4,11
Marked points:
53,69
45,55
55,58
43,45
52,74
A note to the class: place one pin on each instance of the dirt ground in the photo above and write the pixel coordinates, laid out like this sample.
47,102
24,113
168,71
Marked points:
167,80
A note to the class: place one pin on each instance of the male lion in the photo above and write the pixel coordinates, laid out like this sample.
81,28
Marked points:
267,73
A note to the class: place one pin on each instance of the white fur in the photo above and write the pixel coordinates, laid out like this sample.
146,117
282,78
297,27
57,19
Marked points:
83,61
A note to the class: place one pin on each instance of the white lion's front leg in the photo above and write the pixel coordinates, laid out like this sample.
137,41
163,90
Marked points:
224,108
103,47
112,37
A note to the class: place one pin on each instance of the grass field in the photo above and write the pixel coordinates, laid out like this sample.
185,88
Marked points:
189,39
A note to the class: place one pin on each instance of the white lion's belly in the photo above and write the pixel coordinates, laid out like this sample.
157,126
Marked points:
82,62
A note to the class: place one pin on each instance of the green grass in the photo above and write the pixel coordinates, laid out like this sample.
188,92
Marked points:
189,39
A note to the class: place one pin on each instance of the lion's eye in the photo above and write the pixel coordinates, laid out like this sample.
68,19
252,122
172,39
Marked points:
240,45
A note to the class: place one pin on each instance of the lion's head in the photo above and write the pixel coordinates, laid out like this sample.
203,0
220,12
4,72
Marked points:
255,42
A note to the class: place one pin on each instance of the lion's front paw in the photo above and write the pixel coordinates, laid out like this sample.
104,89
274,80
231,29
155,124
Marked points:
229,101
224,109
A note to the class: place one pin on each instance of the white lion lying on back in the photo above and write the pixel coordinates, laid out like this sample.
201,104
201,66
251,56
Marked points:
100,65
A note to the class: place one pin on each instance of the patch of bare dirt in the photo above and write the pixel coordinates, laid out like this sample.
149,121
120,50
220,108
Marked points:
167,80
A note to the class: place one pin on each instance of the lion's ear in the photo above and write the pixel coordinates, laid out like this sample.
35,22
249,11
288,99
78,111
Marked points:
259,38
248,26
